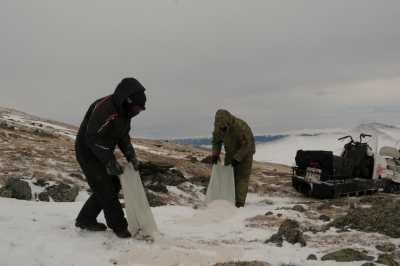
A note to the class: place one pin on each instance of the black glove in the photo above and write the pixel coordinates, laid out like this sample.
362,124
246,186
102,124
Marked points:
235,163
135,163
133,160
215,159
114,168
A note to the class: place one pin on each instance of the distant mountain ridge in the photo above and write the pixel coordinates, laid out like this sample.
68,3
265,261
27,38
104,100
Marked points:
207,141
374,127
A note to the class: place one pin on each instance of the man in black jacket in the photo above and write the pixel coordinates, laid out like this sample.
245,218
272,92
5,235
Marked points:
105,126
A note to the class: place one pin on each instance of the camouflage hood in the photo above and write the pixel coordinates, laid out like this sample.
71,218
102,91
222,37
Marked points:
223,121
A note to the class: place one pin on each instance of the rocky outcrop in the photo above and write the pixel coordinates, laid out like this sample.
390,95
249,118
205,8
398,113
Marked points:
299,208
243,263
157,177
200,180
312,257
16,188
44,196
63,192
155,200
192,158
386,247
289,231
347,255
382,217
324,218
387,259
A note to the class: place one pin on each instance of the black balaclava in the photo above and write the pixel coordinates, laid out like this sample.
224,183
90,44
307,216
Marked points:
134,104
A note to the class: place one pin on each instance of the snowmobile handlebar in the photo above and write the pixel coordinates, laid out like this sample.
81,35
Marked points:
346,137
363,136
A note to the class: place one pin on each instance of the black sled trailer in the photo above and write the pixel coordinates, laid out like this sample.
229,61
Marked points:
320,174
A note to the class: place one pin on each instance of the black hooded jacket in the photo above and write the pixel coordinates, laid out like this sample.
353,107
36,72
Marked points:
106,125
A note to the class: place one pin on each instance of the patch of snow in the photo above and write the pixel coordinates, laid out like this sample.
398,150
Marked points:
36,124
13,117
35,188
159,152
42,233
82,196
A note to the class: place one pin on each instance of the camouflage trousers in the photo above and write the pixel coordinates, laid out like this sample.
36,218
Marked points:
242,175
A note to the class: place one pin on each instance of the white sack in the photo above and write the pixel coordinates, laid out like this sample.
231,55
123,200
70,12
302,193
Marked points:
222,184
140,218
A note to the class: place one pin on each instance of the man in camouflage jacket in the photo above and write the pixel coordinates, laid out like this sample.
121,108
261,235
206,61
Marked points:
239,145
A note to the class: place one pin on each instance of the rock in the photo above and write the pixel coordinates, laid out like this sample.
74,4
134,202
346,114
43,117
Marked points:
41,182
44,196
5,193
17,189
383,217
266,202
324,206
276,239
279,215
46,133
200,180
63,192
325,218
155,200
312,257
243,263
77,175
289,231
347,255
299,208
192,158
158,174
269,213
207,160
386,247
387,259
158,188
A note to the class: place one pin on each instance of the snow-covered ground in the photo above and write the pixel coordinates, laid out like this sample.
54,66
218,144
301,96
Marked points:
284,150
40,233
43,233
24,120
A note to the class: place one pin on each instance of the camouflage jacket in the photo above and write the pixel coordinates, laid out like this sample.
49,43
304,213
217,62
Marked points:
236,136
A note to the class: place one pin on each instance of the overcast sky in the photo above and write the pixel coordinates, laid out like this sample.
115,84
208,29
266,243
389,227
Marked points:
280,65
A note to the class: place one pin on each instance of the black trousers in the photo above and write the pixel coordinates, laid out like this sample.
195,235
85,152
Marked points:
104,198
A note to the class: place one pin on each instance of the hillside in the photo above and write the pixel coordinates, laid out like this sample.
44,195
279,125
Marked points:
41,153
35,150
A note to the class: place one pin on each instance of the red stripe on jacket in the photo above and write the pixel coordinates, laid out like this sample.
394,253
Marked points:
102,101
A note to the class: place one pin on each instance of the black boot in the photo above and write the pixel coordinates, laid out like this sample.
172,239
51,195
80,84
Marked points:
92,227
239,205
123,233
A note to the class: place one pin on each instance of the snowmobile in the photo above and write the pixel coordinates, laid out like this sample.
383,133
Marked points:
359,170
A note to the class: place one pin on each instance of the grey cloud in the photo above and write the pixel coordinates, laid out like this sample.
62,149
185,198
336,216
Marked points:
279,64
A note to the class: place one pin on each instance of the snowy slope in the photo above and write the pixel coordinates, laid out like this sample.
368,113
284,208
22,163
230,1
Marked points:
43,233
284,150
19,119
36,234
